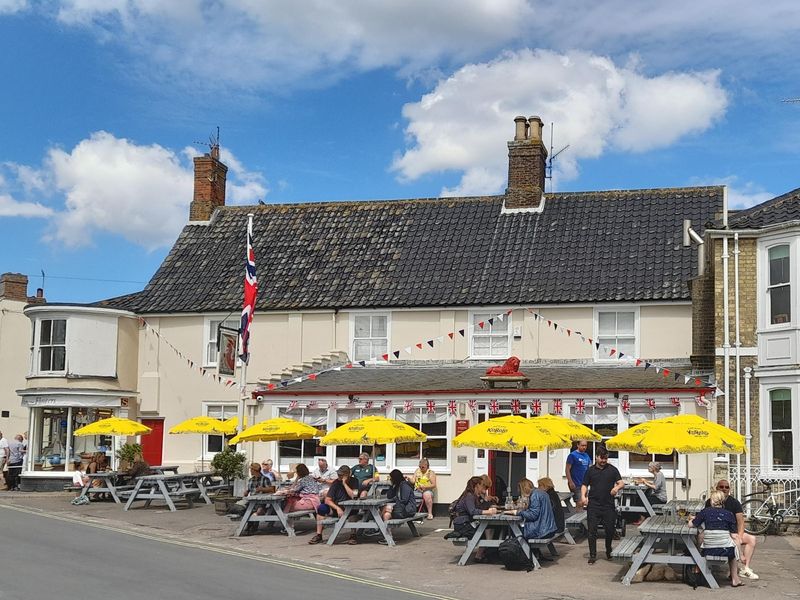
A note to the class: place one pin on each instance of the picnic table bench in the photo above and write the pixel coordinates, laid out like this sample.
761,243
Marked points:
631,492
107,485
691,506
273,513
511,523
541,544
372,519
576,520
164,469
170,488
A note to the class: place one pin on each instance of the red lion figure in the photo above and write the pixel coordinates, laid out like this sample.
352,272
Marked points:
510,368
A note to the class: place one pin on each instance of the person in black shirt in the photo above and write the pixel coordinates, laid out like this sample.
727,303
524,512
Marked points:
344,488
600,486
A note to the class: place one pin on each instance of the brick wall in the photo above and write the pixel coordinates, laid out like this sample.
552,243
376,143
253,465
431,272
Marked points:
209,186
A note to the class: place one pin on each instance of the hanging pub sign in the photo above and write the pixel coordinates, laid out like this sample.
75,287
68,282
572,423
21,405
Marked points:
227,350
461,426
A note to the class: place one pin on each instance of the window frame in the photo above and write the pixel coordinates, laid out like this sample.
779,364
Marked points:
298,414
352,334
207,341
472,327
603,357
36,349
766,407
436,465
206,453
768,286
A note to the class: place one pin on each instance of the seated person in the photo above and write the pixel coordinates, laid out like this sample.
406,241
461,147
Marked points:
303,494
656,491
424,484
344,488
256,484
546,485
98,463
468,506
268,472
325,475
365,473
79,477
718,540
538,519
487,498
402,492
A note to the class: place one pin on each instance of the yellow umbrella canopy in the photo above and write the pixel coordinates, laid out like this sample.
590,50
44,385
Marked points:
511,433
274,430
206,425
232,425
687,434
572,429
373,430
114,426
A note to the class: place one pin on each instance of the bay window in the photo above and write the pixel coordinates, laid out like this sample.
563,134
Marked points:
779,294
52,345
780,428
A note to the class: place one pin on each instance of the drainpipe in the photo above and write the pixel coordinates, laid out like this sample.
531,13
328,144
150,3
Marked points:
737,357
747,436
725,310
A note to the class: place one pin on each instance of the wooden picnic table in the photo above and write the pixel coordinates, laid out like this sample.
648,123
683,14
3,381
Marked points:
372,519
164,469
671,535
108,484
631,492
169,488
691,506
273,512
509,524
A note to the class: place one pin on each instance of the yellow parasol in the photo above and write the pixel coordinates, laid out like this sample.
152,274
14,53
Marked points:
232,425
114,426
688,434
276,430
572,429
373,430
205,425
512,433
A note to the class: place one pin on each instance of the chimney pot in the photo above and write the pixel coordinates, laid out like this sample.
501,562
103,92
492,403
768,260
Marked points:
39,293
536,126
521,128
14,286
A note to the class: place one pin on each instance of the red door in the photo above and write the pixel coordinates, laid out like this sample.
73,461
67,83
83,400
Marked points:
152,443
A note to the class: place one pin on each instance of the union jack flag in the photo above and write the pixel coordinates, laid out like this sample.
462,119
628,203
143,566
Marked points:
368,404
515,406
333,404
250,292
451,407
580,406
536,406
387,404
626,405
557,406
430,406
675,401
408,406
493,407
312,404
292,405
602,403
473,404
651,403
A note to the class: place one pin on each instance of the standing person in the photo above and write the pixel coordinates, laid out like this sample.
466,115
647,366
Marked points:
424,484
746,541
578,463
344,488
720,525
16,455
598,490
3,456
365,473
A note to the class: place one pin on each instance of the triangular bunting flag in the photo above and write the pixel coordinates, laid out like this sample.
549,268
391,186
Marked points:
461,332
638,362
665,372
647,365
338,368
508,312
658,369
686,379
677,376
396,353
569,332
490,321
363,363
440,339
613,352
430,343
555,326
385,357
297,380
407,349
481,324
450,335
313,376
419,345
621,355
597,345
500,316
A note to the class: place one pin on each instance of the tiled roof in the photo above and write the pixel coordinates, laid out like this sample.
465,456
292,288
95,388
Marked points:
439,378
782,209
583,247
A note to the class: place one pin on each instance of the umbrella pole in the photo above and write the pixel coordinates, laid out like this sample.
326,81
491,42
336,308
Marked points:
547,461
508,485
674,473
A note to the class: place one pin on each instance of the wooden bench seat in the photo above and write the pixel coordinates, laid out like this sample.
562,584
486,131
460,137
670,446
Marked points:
542,543
461,541
627,547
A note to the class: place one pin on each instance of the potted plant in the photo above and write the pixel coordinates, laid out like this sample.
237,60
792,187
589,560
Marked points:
127,455
230,465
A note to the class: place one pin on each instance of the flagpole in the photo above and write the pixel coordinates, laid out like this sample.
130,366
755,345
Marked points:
248,308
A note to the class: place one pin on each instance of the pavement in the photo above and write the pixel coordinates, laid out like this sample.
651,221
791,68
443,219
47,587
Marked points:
427,564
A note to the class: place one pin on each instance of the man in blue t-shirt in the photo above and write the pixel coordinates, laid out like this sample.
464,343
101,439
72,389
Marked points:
577,464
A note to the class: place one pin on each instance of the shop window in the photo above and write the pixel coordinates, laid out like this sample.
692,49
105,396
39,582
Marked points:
435,449
641,414
212,330
370,337
348,455
291,452
493,340
604,421
779,288
215,443
780,431
52,346
616,329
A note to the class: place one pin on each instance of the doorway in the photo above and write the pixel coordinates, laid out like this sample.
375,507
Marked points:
153,443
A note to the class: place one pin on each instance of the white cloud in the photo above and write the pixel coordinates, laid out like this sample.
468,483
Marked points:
462,124
115,186
8,7
14,208
256,42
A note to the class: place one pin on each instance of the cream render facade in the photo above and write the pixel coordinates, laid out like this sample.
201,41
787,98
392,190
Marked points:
15,337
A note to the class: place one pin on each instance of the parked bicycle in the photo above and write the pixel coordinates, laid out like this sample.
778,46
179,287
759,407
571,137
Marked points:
762,514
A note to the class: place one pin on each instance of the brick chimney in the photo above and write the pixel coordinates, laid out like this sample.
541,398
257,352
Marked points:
527,157
209,185
14,286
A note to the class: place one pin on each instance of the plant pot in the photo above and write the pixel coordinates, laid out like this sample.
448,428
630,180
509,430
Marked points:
223,501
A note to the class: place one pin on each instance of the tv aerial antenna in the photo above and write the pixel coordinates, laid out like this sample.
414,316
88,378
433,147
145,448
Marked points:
212,144
551,158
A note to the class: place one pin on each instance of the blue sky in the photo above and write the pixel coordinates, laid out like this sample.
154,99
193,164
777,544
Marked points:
103,101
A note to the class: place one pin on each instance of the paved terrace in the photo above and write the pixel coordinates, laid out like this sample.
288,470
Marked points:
427,564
